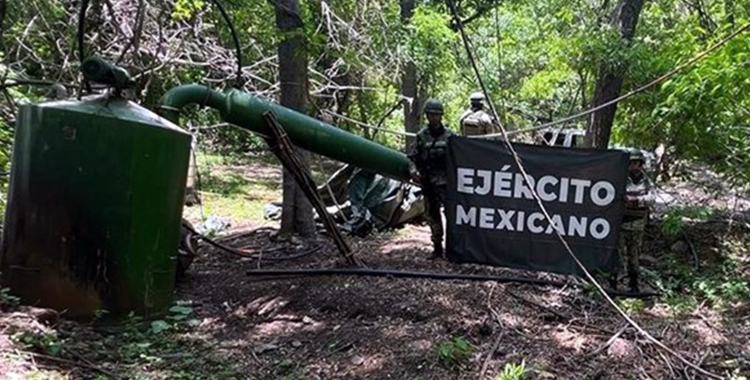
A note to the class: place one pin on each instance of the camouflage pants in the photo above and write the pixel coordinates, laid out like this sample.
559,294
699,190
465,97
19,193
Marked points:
629,247
434,201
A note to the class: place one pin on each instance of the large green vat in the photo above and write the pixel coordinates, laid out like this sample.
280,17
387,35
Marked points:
94,208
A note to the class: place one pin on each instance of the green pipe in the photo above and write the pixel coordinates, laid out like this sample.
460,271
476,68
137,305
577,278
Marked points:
246,111
98,70
177,98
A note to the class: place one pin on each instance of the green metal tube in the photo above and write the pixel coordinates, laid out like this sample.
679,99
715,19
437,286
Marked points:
246,111
98,70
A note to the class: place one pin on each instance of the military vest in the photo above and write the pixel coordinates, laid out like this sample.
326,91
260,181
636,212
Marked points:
431,156
638,187
475,123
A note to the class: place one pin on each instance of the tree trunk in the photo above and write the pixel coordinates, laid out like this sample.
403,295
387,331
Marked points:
3,7
192,196
297,215
610,77
409,82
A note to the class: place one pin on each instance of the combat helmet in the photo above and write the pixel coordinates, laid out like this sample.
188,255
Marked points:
477,97
433,106
637,155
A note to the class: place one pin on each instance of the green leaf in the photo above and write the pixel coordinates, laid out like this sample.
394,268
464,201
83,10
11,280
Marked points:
159,326
184,310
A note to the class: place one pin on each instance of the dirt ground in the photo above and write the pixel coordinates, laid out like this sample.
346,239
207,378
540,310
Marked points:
379,328
228,325
387,328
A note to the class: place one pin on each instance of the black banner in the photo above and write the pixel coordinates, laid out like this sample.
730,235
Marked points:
493,219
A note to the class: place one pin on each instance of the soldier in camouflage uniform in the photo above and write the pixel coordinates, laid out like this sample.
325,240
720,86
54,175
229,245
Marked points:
475,121
638,199
429,165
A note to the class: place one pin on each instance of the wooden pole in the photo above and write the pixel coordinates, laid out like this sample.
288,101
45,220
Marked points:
283,148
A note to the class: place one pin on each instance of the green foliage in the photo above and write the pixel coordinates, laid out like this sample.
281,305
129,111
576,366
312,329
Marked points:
632,305
150,343
429,42
39,374
159,326
185,9
721,284
722,290
540,60
230,140
45,342
737,375
232,189
177,314
675,219
699,113
100,314
453,352
287,370
7,300
680,304
513,371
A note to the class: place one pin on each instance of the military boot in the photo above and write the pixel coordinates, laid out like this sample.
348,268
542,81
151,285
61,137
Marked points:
633,282
613,281
437,251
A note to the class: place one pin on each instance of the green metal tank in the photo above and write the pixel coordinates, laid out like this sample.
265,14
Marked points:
94,209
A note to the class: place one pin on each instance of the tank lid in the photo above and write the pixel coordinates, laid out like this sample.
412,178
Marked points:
113,107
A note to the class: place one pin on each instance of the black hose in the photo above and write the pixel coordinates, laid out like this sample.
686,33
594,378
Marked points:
81,55
246,254
236,39
81,24
387,114
282,273
400,273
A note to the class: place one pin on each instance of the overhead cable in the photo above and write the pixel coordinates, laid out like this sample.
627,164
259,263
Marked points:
368,126
517,159
629,94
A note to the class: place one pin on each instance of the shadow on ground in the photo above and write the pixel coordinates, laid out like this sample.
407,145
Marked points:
239,327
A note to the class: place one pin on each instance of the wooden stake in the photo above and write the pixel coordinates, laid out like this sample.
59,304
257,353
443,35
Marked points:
283,148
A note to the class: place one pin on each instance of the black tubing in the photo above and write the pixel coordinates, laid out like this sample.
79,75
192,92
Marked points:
399,273
81,24
282,273
230,25
243,253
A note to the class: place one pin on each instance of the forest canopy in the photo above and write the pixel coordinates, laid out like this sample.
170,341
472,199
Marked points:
540,60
